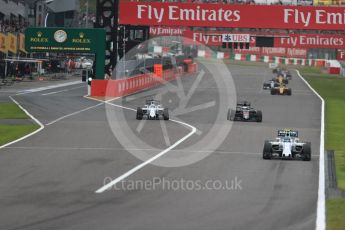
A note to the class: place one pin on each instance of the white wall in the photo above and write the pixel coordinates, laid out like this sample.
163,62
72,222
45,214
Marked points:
64,5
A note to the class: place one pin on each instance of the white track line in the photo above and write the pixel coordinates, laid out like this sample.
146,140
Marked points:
321,203
28,135
74,113
83,110
102,102
140,166
61,91
35,90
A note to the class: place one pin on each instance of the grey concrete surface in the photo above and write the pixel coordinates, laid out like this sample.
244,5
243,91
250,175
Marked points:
48,180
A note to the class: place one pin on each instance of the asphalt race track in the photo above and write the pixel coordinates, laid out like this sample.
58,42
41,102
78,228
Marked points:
48,181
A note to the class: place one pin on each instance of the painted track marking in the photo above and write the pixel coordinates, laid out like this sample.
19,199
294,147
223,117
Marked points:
35,90
321,203
74,113
61,91
142,165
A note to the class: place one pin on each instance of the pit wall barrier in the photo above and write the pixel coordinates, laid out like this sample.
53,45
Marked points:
266,59
124,87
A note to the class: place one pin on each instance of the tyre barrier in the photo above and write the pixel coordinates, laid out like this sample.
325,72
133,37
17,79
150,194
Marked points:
263,58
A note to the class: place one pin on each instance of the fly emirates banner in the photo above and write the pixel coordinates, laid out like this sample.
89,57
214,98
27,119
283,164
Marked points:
240,16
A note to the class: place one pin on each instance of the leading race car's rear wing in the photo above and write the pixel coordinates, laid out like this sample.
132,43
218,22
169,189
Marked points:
243,103
287,133
149,101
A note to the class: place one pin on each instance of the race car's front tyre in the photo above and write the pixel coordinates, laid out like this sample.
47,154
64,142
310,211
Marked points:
307,152
231,115
166,114
258,116
140,113
273,91
289,92
267,151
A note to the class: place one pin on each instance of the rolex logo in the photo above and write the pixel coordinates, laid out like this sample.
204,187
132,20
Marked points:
81,35
39,34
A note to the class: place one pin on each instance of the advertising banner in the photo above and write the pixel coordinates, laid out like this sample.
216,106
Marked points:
231,15
302,41
216,38
252,50
22,43
311,41
235,38
273,51
203,37
341,55
296,53
3,47
167,31
68,40
11,43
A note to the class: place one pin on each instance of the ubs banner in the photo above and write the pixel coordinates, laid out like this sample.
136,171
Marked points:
305,41
228,15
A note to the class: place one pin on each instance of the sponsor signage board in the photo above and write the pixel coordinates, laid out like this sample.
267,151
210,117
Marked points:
231,15
236,38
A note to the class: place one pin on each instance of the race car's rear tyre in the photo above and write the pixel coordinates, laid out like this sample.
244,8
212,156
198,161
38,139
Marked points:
267,151
307,152
286,81
140,113
166,114
273,91
259,116
289,92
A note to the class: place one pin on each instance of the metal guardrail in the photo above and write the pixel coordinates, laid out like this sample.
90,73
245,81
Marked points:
332,190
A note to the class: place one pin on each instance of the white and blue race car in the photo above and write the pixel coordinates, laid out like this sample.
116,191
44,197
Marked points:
287,146
152,110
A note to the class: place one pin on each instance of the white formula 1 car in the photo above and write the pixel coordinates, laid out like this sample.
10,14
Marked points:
152,110
287,146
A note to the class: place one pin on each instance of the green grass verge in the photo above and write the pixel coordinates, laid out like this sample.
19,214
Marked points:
11,111
335,214
332,89
9,133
